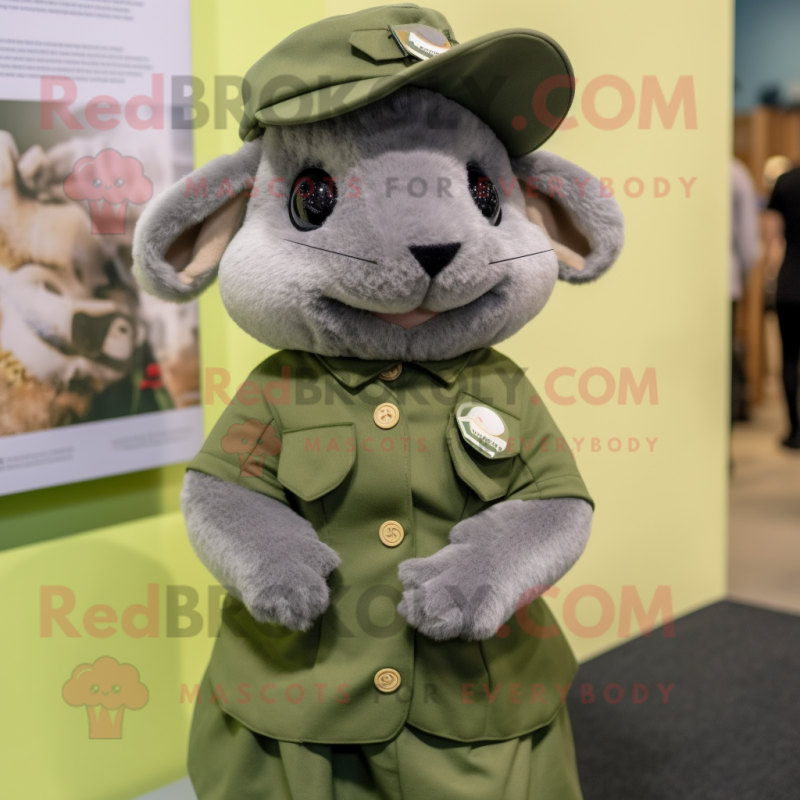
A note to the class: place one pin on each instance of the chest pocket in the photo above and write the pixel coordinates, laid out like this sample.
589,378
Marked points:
489,478
314,461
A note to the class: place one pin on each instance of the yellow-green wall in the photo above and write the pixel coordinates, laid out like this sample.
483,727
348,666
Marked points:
661,515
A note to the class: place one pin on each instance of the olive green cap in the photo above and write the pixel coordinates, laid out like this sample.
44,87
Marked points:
343,63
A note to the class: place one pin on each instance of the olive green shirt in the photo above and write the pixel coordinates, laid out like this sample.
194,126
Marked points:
302,430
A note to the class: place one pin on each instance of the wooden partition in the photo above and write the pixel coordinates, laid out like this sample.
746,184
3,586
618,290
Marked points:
764,133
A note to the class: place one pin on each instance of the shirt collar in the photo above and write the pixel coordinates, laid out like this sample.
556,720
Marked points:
355,372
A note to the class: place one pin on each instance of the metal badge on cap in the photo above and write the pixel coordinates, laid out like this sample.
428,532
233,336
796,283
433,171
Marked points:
482,428
420,41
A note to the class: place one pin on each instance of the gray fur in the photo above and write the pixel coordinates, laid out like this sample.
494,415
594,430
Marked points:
285,292
259,549
596,215
507,554
173,212
291,296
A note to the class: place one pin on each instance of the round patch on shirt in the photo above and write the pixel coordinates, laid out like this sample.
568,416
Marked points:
482,428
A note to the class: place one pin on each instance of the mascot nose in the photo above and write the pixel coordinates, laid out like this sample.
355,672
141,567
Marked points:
433,258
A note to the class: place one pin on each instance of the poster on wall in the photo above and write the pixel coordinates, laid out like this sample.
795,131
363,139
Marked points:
96,377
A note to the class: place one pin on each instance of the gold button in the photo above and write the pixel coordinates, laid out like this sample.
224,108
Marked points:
391,533
386,415
393,373
387,680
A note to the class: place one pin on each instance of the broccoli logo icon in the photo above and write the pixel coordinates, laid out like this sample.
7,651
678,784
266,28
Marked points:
106,688
109,181
252,441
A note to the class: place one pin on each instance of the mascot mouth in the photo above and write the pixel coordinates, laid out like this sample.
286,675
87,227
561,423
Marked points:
408,319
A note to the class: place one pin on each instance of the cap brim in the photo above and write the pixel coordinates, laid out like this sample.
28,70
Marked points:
494,76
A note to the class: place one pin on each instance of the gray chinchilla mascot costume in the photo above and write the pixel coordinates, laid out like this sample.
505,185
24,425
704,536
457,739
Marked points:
386,497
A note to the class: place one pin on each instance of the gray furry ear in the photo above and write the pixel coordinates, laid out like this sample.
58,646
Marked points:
181,236
585,224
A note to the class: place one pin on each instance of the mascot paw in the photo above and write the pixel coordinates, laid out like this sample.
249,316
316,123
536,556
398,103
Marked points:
295,602
446,598
292,590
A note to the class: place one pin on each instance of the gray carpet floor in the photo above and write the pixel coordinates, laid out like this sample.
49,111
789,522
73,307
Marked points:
730,729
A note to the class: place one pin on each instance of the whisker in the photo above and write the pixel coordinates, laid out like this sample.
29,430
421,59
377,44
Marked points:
527,255
336,253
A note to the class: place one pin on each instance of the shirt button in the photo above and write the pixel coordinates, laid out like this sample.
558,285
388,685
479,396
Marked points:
386,415
393,373
391,533
387,680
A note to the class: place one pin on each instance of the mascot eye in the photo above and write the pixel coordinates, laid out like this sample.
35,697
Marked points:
484,194
312,200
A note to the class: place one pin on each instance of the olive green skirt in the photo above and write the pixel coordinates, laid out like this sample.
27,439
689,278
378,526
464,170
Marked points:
227,761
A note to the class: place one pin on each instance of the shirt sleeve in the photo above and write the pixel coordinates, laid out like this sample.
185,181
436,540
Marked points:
245,444
746,228
549,464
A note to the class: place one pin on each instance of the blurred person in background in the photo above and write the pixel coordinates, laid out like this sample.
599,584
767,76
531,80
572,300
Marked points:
785,202
745,252
774,167
774,246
